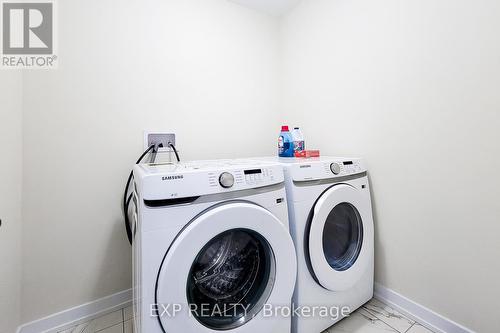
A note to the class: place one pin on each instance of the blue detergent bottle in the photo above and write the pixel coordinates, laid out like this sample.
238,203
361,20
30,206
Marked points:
285,143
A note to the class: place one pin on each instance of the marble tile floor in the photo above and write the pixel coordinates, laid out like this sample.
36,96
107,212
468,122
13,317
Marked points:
377,317
119,321
373,317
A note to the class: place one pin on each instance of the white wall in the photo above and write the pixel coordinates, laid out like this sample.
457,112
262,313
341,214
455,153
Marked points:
10,199
204,69
412,86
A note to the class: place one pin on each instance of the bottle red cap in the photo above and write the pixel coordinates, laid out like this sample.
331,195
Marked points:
284,128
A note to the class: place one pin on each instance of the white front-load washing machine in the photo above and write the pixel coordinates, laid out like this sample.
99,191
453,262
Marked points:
211,248
332,227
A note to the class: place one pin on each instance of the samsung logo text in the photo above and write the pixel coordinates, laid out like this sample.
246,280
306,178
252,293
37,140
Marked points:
172,177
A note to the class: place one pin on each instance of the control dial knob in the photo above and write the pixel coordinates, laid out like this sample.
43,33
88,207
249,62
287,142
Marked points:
226,180
335,168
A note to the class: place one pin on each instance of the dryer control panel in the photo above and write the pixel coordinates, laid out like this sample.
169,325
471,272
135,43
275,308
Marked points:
323,168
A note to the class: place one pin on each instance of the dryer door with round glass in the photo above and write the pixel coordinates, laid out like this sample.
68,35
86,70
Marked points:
223,268
340,237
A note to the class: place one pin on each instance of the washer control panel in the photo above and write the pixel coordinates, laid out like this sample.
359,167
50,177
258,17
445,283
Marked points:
171,181
254,177
247,178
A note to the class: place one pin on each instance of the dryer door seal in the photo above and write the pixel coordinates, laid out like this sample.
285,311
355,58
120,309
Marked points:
223,268
341,237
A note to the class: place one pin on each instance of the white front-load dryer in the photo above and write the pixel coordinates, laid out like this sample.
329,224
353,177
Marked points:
332,227
212,249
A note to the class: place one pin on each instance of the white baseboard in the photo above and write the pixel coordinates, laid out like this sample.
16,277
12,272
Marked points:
78,314
88,311
420,313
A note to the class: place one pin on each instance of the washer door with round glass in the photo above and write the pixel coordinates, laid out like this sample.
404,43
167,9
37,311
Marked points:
341,237
223,268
